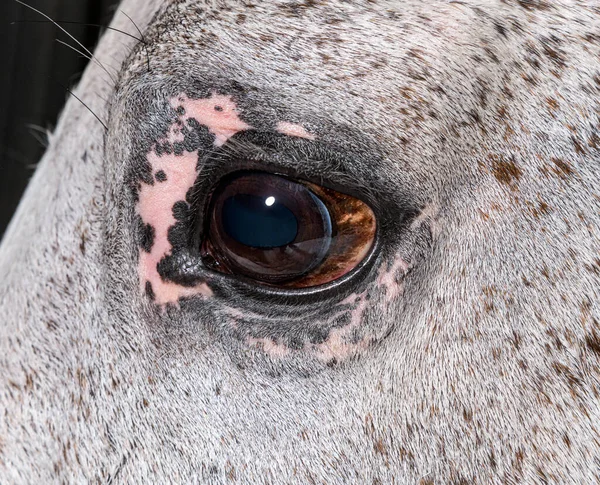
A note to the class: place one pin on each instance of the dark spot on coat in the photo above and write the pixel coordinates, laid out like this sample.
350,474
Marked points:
178,149
562,168
534,4
516,340
594,267
146,234
149,291
552,51
163,149
160,176
552,105
180,210
179,267
468,415
592,341
297,9
178,233
578,146
83,242
573,381
542,209
501,29
506,171
542,476
295,343
525,281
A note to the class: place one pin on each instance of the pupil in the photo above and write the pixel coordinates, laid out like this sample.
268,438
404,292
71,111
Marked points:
259,222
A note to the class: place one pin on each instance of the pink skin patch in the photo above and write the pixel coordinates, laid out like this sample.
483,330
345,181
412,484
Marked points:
219,114
391,279
270,347
338,345
292,129
155,203
430,216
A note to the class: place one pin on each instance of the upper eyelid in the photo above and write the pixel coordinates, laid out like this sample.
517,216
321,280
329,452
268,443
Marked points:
345,158
341,158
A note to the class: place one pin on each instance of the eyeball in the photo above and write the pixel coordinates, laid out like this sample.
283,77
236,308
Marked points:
283,232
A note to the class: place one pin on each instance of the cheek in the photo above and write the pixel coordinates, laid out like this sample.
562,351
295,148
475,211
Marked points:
174,174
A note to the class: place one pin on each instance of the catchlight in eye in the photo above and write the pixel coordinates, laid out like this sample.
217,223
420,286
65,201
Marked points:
284,232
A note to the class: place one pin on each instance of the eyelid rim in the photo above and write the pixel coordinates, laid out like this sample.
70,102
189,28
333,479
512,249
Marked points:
282,155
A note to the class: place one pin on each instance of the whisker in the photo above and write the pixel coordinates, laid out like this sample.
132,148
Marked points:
67,33
39,133
143,39
87,56
75,96
66,22
86,106
79,52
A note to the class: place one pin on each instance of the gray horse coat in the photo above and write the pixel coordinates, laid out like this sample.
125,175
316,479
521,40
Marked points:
464,349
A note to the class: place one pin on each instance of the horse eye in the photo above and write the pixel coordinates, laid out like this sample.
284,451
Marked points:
283,232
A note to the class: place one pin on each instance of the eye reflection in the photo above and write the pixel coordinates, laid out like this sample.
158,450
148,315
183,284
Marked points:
284,232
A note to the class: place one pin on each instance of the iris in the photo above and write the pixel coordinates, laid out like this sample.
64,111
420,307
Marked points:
258,222
280,231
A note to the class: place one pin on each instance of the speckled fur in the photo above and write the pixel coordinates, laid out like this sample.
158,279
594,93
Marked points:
478,348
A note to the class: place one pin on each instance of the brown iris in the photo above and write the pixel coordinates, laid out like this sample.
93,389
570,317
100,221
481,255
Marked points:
283,232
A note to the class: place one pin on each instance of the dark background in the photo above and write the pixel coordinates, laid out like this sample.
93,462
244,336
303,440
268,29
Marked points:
35,69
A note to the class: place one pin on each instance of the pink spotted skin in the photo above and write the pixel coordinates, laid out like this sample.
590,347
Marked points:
337,347
341,344
390,280
220,115
155,209
217,113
